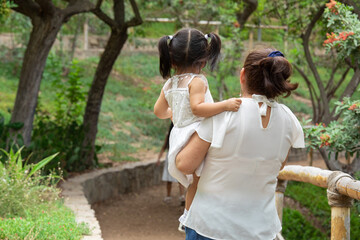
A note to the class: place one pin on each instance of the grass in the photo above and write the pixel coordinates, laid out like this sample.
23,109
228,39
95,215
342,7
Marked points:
296,227
315,200
42,223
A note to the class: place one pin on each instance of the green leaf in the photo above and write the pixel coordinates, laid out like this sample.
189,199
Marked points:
41,164
15,125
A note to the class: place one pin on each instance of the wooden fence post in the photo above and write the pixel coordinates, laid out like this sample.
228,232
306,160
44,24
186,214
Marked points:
340,208
251,39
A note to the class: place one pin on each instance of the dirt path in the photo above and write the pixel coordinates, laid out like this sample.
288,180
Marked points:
141,216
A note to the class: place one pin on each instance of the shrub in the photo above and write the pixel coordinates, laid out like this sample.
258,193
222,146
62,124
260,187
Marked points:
30,205
338,136
346,31
22,186
61,130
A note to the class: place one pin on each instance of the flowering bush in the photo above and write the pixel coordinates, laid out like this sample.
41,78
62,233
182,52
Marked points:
345,35
338,136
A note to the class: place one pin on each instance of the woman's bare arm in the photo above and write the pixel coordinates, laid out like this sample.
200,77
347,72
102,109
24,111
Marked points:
191,156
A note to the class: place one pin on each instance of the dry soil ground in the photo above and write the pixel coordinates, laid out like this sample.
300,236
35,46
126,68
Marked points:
141,216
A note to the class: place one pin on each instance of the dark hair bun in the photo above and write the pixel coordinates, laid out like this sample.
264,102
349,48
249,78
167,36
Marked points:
268,76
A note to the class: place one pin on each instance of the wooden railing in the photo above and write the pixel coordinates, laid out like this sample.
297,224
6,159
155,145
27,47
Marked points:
341,190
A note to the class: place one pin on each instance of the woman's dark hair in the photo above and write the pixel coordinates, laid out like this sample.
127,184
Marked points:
188,48
268,76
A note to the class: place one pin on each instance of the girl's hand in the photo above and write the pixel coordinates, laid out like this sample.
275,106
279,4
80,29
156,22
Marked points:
232,104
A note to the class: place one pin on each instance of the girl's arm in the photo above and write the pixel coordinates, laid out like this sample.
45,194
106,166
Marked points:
161,107
199,108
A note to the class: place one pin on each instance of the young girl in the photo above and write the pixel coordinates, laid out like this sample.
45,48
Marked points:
186,97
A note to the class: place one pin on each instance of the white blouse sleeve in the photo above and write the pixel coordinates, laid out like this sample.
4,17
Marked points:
213,129
297,139
204,130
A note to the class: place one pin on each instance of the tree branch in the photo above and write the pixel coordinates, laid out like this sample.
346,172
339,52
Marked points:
311,89
98,4
105,18
342,79
350,89
119,12
77,6
136,20
46,6
27,7
324,104
331,80
243,16
305,37
353,84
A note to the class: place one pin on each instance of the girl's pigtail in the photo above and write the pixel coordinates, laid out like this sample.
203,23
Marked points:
165,61
214,50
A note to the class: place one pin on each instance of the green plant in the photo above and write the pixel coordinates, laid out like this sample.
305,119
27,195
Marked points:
22,184
61,130
338,136
346,31
5,6
315,199
42,223
30,206
7,137
296,227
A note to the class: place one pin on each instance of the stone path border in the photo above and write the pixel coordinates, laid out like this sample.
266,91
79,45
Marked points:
81,191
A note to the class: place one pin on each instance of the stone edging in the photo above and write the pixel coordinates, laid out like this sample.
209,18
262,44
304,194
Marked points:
81,191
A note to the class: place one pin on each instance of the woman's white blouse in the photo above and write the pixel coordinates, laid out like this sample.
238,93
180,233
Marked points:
235,198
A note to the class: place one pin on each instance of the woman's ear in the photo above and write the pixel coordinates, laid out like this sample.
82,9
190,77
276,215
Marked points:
242,76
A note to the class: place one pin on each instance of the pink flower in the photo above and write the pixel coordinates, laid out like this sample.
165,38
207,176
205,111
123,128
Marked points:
353,107
331,4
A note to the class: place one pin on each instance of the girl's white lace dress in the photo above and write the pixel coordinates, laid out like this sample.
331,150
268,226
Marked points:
176,90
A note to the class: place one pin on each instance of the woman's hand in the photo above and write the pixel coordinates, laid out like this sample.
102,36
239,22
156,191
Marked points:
232,104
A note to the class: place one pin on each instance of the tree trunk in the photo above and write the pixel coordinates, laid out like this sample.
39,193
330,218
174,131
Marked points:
333,164
41,40
250,7
112,50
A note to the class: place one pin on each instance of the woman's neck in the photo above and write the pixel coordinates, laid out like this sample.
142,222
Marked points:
246,95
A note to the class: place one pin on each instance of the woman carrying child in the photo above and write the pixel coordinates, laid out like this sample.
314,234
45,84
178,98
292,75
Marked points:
245,150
